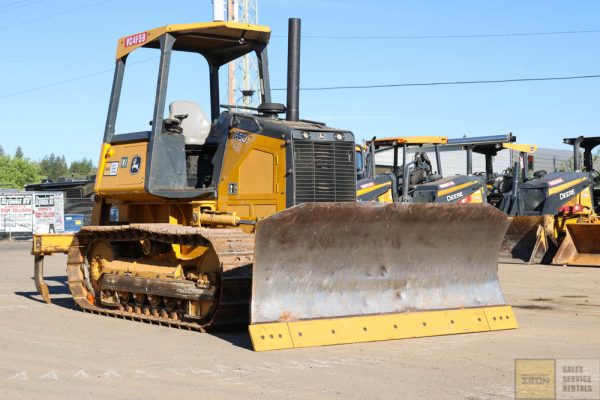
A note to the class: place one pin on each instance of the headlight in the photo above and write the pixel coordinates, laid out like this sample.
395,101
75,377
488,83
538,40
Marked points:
339,136
305,135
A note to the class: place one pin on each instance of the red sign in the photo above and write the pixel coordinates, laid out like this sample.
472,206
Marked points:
366,185
134,40
555,182
447,184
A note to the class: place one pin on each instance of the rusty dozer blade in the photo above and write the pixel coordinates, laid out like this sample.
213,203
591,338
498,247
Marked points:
331,273
581,245
526,240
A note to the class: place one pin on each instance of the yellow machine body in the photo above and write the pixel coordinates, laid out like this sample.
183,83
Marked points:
114,180
258,164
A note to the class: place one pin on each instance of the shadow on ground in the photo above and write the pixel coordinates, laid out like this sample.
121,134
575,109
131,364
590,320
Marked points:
59,289
532,307
236,335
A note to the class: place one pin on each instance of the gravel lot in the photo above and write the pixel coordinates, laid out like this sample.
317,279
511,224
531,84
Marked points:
54,351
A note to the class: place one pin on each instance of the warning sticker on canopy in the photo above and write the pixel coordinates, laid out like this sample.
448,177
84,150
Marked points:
133,40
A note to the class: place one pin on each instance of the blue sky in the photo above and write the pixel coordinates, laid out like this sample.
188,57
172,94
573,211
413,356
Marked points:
68,118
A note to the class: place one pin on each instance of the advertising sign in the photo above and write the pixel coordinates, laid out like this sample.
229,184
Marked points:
31,212
16,212
48,212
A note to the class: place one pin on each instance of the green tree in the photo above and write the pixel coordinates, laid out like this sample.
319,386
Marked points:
19,153
1,151
15,172
566,165
82,168
54,166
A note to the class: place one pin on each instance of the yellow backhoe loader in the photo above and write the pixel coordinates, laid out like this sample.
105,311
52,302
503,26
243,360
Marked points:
579,227
248,217
414,180
542,207
526,240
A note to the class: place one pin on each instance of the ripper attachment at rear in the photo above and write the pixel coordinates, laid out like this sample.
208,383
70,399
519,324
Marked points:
342,273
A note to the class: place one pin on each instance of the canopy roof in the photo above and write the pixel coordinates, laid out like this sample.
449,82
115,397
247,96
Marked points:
493,149
220,41
491,145
586,143
409,140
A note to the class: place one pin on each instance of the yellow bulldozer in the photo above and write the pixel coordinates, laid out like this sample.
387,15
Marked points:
237,217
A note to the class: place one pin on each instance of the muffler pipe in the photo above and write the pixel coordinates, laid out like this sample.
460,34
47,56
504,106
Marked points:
469,160
576,155
293,70
516,178
438,160
525,156
372,164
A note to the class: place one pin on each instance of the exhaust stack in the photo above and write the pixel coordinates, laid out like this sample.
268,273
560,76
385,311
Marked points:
293,70
576,154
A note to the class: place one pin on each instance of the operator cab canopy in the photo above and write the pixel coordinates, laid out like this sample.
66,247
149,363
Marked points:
189,144
219,42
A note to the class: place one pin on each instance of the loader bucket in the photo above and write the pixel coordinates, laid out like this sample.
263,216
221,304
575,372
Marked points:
525,241
581,245
332,273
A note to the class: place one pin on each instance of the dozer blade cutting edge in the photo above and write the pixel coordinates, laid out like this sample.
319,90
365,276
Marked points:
525,241
333,273
581,245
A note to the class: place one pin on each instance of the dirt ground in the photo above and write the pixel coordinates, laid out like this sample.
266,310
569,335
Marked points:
56,352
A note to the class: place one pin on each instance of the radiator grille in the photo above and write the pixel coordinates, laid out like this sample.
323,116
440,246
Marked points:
324,171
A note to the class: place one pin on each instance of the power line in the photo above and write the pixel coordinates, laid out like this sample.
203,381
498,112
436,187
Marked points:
77,78
379,86
466,36
16,7
14,3
391,85
2,28
54,84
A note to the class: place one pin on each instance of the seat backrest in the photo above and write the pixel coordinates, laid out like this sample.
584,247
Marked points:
196,126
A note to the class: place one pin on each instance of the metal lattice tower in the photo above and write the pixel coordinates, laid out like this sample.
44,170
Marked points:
243,81
247,91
